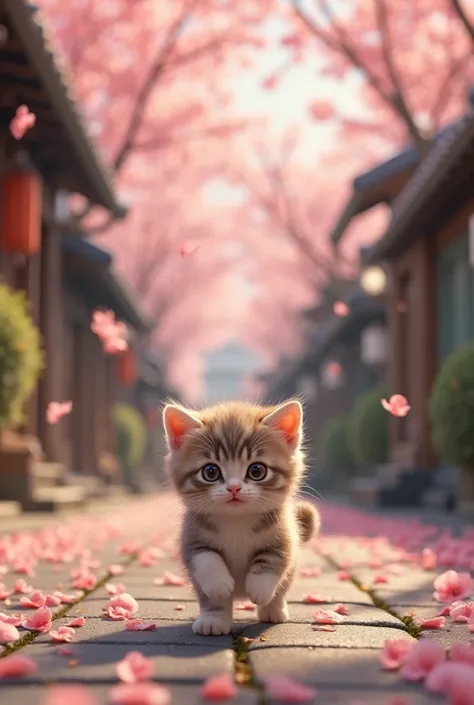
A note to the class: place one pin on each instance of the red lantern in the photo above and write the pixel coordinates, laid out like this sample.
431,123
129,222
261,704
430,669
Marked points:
127,368
21,212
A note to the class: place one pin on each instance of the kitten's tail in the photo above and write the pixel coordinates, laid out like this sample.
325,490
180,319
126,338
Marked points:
308,520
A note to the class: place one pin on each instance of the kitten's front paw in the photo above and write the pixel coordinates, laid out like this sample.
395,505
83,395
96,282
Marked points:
273,614
219,591
212,625
261,588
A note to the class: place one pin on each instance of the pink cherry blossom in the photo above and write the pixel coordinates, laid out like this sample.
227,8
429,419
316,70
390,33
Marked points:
63,634
40,621
445,677
432,623
115,345
22,587
173,579
327,617
121,606
282,688
188,247
324,628
322,110
343,575
115,589
8,633
340,309
137,625
17,666
452,586
397,405
219,687
310,571
15,619
245,606
70,694
56,410
66,599
140,694
421,659
134,667
462,611
77,622
52,601
341,608
380,579
315,598
115,569
429,559
23,121
86,581
394,653
33,600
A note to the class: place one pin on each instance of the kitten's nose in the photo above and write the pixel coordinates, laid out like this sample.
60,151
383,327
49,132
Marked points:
234,486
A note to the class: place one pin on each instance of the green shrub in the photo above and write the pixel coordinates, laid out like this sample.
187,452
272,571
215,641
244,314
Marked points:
21,356
452,409
368,429
130,436
338,458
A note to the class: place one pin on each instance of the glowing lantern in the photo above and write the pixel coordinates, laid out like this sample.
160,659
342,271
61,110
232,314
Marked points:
21,212
331,375
127,368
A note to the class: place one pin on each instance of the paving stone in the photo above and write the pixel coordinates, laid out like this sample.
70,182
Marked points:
180,695
358,614
323,666
94,662
333,589
107,631
330,696
345,636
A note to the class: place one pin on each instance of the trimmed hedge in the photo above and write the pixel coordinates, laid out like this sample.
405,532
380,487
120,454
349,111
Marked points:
21,355
368,429
452,409
130,436
338,458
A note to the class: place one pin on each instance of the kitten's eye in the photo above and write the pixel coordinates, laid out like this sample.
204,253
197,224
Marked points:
257,472
211,473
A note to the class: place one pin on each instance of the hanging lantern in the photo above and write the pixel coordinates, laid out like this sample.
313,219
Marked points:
21,212
127,368
332,375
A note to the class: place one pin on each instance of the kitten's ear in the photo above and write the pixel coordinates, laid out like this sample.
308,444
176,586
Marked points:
177,423
288,420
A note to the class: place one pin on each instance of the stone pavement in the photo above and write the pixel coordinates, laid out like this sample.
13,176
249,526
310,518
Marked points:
379,590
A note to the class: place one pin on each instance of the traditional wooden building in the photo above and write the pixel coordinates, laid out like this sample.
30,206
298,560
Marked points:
63,277
428,251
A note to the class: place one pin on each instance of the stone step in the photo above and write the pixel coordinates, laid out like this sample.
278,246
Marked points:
9,509
46,474
93,485
53,499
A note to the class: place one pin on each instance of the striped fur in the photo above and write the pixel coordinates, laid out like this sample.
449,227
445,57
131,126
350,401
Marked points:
247,548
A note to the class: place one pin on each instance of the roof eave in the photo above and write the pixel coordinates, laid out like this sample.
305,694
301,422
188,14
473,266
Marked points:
21,16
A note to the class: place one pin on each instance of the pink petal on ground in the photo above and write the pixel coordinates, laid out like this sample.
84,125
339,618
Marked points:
52,601
341,609
380,580
327,617
35,600
121,606
315,598
140,694
179,608
17,666
134,667
445,612
8,633
283,688
115,569
462,611
324,628
429,559
68,694
66,599
310,571
462,653
452,586
113,589
22,587
343,575
63,633
172,579
421,659
86,581
246,605
77,622
15,619
40,621
443,678
137,625
65,651
219,687
432,623
394,653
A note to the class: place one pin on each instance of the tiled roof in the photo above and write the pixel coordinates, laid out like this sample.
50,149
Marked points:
39,48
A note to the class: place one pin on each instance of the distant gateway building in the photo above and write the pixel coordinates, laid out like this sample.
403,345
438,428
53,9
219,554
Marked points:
225,371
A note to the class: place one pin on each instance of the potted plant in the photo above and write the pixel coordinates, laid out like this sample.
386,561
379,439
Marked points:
368,430
337,456
452,419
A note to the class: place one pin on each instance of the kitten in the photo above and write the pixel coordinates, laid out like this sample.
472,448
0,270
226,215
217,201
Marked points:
237,468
